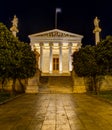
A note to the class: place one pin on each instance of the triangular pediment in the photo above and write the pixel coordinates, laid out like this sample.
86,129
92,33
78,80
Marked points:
55,33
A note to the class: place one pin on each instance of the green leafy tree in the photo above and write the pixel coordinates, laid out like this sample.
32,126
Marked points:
6,40
23,63
85,65
17,60
104,55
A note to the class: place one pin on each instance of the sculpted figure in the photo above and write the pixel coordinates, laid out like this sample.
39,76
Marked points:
96,22
14,27
15,21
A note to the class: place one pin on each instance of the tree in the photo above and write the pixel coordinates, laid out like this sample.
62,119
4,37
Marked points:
23,63
17,60
6,39
85,65
104,55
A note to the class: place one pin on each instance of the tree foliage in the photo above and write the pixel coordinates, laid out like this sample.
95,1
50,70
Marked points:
86,65
84,62
94,61
17,60
104,55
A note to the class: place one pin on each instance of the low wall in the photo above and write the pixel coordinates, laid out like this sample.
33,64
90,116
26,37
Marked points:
18,88
106,83
78,83
81,86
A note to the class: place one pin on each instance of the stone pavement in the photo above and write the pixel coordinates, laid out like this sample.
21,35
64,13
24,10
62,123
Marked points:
56,112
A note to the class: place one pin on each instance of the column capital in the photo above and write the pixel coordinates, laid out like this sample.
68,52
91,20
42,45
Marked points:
70,44
60,44
51,44
41,44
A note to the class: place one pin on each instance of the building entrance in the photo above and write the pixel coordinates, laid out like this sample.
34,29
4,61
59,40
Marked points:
55,63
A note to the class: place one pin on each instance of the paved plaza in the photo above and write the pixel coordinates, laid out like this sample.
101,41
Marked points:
56,112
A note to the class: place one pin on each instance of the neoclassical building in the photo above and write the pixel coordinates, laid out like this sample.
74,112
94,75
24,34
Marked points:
55,48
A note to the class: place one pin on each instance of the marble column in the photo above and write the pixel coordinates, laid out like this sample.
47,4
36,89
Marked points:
41,55
69,54
60,57
51,57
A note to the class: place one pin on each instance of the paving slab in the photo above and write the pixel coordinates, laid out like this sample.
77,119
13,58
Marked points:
56,112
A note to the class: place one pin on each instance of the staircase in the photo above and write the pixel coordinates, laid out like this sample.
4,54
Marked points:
55,84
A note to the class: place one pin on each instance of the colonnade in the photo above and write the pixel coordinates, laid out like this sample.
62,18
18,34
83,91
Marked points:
51,46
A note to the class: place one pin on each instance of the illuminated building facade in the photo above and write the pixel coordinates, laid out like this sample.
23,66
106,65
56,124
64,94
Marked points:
55,48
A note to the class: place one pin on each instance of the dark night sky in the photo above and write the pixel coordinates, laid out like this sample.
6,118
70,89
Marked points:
76,16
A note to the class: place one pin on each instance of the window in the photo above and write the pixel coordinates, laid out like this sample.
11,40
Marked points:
55,63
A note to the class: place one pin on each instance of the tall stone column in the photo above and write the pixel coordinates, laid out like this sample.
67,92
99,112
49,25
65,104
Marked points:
70,58
41,55
51,57
60,57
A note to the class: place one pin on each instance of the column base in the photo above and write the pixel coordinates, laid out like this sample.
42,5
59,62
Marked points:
60,72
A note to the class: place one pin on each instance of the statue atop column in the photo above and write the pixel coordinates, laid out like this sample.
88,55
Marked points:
96,30
96,22
14,27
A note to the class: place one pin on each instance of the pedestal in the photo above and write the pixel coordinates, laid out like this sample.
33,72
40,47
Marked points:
78,84
32,86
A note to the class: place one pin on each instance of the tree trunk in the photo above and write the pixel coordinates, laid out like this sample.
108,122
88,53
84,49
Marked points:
22,86
13,87
95,85
91,84
3,81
